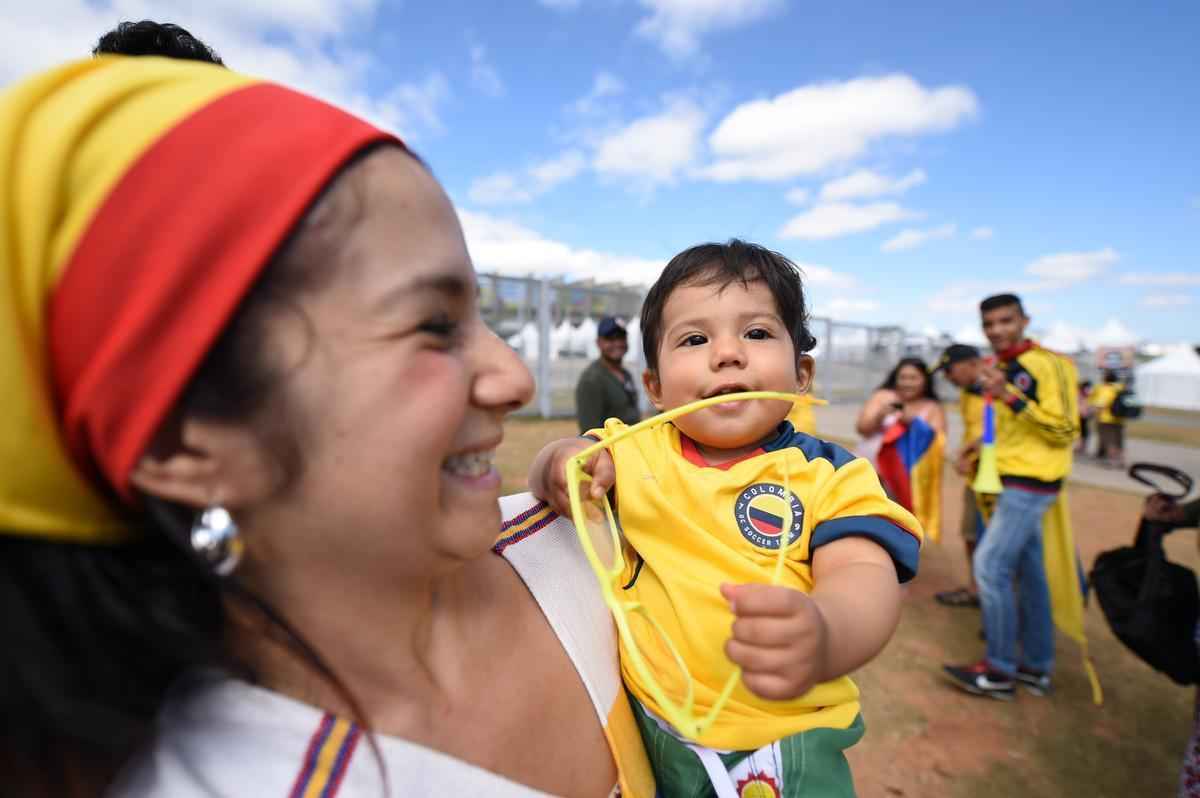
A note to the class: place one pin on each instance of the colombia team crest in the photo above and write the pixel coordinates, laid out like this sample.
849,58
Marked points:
761,512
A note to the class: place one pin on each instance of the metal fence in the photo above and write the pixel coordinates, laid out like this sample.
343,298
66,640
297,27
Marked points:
553,326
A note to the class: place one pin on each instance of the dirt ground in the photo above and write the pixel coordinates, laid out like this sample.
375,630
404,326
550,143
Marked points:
924,738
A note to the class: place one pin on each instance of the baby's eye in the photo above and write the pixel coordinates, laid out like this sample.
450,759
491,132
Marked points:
758,334
695,339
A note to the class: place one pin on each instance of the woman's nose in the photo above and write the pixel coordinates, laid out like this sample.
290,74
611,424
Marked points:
502,381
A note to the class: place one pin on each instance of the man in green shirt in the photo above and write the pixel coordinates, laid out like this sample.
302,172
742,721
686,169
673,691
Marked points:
605,389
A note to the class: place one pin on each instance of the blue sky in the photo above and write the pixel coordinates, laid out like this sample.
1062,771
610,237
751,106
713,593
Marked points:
912,158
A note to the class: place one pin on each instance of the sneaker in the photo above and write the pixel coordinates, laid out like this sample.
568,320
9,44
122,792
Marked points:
979,679
1036,682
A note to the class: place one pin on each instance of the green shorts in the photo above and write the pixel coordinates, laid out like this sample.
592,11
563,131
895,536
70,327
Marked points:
810,764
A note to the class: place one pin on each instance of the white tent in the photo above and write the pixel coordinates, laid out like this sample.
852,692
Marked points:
1172,380
633,331
583,340
560,337
526,343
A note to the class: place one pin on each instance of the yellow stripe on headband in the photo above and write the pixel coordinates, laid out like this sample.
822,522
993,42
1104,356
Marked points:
67,136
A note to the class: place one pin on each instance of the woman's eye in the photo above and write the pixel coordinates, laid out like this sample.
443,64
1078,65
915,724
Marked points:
758,334
695,340
442,326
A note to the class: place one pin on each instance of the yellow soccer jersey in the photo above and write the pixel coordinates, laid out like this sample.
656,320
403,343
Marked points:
1102,398
1038,420
692,527
970,407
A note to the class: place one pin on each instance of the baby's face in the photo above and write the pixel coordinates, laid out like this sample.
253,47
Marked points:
720,340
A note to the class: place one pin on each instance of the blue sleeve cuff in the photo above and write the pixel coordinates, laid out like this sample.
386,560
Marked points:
1015,403
900,544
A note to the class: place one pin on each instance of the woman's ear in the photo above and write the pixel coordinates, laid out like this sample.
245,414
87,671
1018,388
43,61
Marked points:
653,388
196,463
805,366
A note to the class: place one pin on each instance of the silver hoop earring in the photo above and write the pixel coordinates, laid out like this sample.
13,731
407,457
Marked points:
216,540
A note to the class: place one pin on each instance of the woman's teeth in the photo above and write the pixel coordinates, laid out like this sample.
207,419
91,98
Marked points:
474,464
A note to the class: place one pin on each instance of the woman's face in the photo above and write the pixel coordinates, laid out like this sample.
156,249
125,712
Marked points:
910,383
398,403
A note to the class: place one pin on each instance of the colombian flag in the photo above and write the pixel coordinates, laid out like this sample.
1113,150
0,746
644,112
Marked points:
909,464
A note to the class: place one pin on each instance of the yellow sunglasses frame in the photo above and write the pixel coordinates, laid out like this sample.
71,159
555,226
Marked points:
682,716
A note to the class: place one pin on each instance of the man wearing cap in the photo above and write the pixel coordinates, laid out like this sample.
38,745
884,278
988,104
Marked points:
962,364
606,389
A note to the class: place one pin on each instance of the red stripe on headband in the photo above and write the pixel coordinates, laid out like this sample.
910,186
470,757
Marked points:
171,253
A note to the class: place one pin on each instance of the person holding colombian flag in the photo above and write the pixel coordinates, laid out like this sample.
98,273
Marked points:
1033,408
904,430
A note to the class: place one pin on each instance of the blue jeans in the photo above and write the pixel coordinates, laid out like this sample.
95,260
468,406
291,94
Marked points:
1012,547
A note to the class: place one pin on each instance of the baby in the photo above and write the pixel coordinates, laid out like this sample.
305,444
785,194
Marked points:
702,502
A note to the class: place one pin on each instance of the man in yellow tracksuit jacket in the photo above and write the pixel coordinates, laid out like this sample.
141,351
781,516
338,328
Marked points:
1037,422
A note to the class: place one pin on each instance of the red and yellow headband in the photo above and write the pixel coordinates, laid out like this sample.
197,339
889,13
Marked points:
141,199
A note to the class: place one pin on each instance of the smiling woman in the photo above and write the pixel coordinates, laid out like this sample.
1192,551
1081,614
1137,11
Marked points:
255,524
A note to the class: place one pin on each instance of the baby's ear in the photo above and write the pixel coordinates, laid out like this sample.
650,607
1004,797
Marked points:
653,388
805,366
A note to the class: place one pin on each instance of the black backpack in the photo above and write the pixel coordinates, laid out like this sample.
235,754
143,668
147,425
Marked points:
1126,405
1151,603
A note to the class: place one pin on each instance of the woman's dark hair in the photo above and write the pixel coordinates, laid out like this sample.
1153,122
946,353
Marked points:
889,382
722,264
155,38
92,635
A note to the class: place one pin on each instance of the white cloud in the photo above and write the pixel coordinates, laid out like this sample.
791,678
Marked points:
825,276
1073,267
654,149
509,188
847,308
797,196
962,297
408,106
912,237
503,246
865,184
678,25
817,126
483,74
604,84
971,334
303,44
981,233
1161,279
1166,301
840,219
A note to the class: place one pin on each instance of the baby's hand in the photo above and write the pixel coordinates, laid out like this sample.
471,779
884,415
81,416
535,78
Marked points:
548,474
779,638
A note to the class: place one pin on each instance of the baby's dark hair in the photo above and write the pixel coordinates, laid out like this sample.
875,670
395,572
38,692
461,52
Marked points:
720,265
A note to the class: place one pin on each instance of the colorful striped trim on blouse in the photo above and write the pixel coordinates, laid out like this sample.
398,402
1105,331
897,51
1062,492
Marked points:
523,525
327,759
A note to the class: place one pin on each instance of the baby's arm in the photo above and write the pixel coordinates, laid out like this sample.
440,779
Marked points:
787,642
548,473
